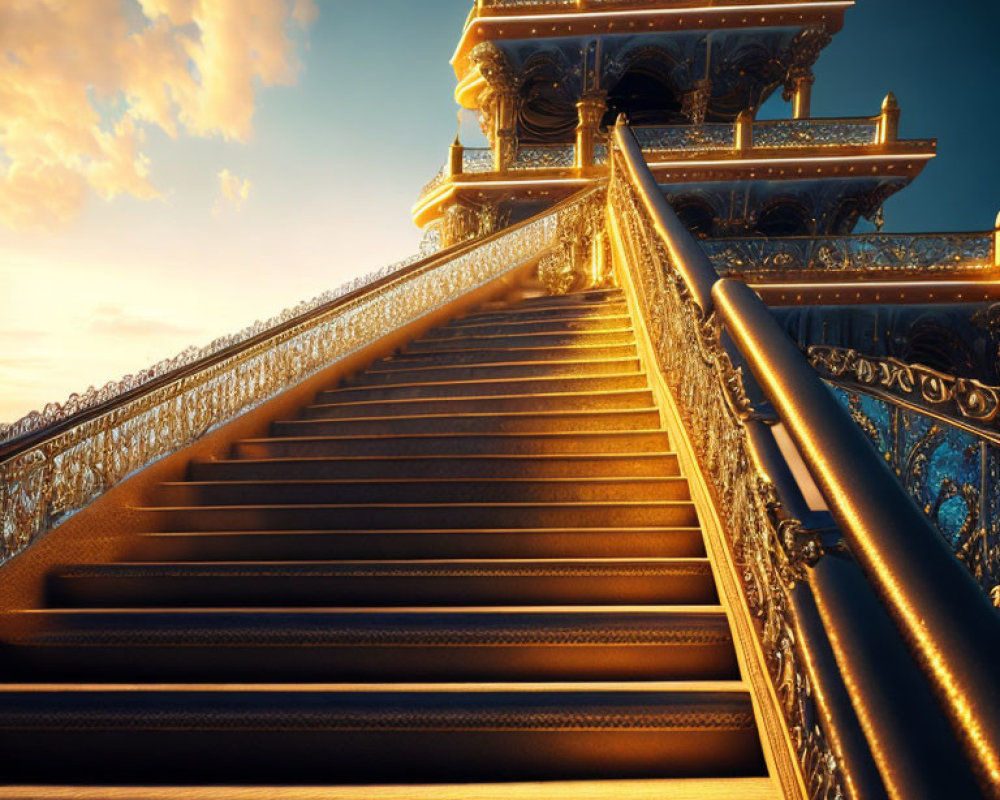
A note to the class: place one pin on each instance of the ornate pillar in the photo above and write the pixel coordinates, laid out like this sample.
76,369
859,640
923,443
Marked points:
497,102
460,223
695,103
802,101
996,243
505,137
744,131
456,158
888,127
590,110
799,79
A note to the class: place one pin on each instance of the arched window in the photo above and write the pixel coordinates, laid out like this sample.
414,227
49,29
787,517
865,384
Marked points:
547,111
697,216
645,95
784,219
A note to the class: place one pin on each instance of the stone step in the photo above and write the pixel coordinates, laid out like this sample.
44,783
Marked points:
627,465
473,339
614,324
517,369
589,443
535,313
575,401
299,735
637,419
408,543
429,516
658,581
487,388
468,352
281,645
426,490
653,789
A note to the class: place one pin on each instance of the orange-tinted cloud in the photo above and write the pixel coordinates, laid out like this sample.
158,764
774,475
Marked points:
233,191
80,81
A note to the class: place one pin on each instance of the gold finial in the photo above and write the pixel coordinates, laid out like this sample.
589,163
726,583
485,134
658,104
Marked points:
890,103
622,119
458,133
997,223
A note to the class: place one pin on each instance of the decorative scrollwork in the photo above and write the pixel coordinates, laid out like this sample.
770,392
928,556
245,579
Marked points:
910,255
769,550
129,425
951,470
961,400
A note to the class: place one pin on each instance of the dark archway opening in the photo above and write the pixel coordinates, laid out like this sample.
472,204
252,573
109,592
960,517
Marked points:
697,216
784,219
645,97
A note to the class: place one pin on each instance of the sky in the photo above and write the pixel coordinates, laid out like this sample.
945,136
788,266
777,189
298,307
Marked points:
292,143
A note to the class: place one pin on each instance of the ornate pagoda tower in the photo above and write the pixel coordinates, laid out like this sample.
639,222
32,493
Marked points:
647,478
549,80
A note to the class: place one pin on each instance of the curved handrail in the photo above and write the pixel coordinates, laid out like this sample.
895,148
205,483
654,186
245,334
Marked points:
948,623
54,472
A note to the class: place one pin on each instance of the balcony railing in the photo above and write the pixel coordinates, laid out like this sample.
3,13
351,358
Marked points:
598,5
657,140
941,436
55,462
875,255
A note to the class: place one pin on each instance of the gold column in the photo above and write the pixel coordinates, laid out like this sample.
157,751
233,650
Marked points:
889,123
996,243
505,138
456,158
744,131
802,108
590,111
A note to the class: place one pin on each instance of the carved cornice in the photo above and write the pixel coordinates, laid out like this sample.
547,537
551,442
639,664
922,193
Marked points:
960,401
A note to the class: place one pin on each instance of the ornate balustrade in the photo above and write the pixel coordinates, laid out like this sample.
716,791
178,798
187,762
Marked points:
873,255
941,436
815,132
658,140
56,462
597,5
890,562
710,395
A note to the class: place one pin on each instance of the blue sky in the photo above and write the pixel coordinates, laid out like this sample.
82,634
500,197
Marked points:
338,150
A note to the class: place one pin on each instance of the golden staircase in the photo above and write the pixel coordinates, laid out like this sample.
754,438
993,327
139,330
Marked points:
473,570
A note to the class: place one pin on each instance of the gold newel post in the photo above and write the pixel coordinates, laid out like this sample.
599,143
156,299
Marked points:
889,122
744,131
590,110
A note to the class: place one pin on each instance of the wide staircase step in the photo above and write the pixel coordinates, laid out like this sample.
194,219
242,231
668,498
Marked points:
482,582
473,570
376,733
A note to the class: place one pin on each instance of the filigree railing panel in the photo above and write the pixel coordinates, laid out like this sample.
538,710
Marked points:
815,132
941,436
477,160
871,253
555,157
687,137
710,396
129,426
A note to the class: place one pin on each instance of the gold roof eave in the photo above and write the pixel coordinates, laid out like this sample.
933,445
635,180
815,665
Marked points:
520,25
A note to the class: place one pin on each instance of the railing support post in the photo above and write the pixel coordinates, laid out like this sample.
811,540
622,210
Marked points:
996,243
888,129
744,131
456,158
802,107
590,110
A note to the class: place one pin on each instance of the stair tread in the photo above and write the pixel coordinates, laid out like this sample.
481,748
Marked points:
721,788
473,398
429,567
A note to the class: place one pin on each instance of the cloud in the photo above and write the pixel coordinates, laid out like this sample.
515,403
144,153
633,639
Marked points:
113,320
233,191
81,82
